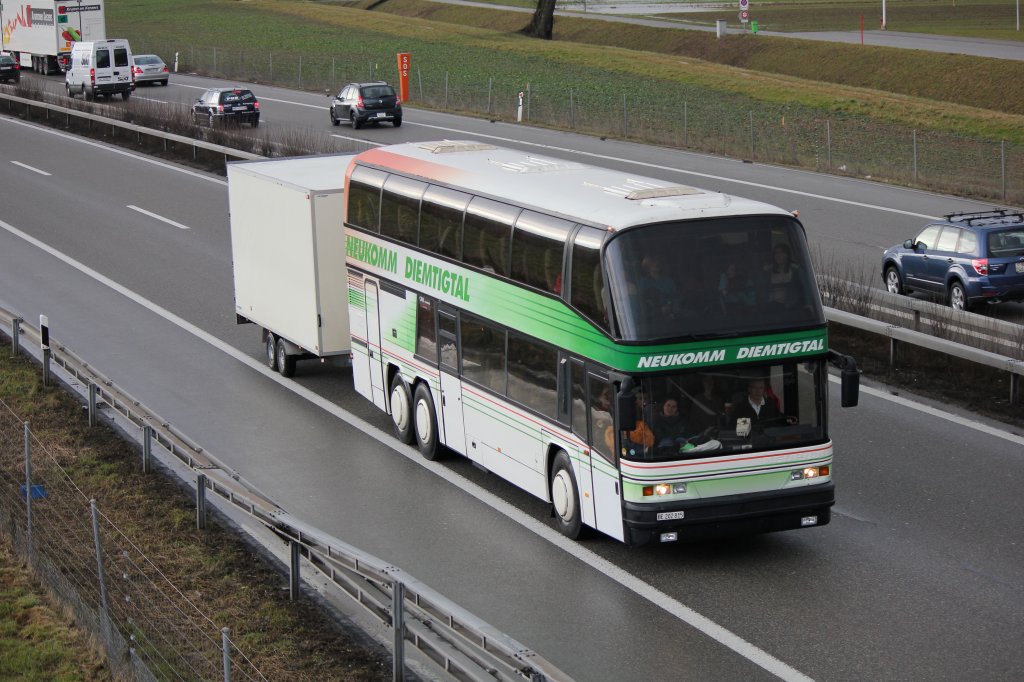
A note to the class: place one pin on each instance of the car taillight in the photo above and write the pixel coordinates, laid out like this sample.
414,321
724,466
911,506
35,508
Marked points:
398,100
92,76
980,265
255,105
359,102
165,69
220,108
137,70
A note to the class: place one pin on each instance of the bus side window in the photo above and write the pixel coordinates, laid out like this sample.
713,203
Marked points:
532,374
426,330
537,247
587,291
601,420
483,353
487,234
447,333
364,188
441,221
579,401
400,208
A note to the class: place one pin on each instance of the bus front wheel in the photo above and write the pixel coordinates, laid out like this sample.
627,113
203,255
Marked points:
565,498
425,421
401,409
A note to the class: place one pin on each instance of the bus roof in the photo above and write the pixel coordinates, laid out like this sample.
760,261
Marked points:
578,191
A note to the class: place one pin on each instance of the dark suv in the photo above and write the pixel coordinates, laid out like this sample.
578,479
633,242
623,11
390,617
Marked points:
9,69
236,105
360,103
968,258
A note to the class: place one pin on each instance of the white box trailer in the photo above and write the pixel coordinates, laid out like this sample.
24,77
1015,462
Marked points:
40,33
288,248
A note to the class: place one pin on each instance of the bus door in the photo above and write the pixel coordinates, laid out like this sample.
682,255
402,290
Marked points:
450,404
576,411
604,467
374,355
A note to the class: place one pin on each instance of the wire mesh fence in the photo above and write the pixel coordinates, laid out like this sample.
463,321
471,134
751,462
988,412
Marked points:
149,627
655,111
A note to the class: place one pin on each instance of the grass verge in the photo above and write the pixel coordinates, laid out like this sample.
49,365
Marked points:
223,576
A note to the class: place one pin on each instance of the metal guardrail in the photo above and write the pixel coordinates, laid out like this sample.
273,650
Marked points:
47,109
461,644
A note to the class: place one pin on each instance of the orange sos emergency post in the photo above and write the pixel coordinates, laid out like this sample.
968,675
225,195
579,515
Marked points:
403,76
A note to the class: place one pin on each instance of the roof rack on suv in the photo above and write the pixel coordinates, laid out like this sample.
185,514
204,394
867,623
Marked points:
994,217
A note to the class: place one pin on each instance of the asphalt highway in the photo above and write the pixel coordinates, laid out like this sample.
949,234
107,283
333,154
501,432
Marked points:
919,575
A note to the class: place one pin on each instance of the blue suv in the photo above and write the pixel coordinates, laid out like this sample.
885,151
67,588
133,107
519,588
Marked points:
968,258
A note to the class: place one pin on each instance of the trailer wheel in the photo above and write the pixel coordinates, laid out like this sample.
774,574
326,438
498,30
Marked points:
401,409
68,88
285,362
271,348
565,497
425,420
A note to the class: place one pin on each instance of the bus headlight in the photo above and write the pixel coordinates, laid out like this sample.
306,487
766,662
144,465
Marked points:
808,472
664,489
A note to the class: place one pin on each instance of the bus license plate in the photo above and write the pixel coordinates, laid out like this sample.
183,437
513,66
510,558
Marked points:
671,516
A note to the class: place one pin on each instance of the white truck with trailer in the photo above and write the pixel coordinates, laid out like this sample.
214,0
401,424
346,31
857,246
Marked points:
40,33
288,248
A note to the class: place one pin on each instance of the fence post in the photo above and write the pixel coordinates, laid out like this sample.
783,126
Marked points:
44,345
214,60
225,645
334,79
1002,167
828,142
271,67
625,119
16,336
490,86
915,153
293,573
419,77
300,72
892,353
446,90
751,135
201,501
147,447
92,404
105,612
1014,388
398,622
686,124
28,486
572,111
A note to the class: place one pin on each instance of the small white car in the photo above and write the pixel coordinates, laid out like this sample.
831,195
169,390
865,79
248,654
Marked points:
149,69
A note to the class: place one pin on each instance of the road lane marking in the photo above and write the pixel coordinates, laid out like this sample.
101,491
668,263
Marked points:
641,589
158,217
357,139
28,167
150,99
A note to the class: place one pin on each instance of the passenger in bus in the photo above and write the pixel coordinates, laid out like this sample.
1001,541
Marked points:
657,290
736,288
669,425
782,276
758,408
638,441
706,409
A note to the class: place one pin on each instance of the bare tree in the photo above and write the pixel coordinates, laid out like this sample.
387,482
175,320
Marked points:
543,22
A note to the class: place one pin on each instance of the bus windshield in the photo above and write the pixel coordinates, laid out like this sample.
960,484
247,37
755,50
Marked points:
712,413
720,276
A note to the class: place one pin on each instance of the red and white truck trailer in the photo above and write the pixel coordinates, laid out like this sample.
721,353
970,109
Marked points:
40,33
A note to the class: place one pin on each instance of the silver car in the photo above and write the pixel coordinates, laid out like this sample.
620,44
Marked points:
150,69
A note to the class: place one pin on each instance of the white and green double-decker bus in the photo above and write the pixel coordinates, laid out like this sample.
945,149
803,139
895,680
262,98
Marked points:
649,358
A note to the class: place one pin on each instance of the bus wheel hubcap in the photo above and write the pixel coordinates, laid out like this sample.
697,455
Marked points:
422,422
560,495
399,409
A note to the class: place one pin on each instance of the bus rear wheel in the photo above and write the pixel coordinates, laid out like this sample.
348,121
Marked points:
271,348
425,421
565,497
401,409
285,362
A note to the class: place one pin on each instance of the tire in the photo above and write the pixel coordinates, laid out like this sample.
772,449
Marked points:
958,297
425,423
565,497
68,88
89,95
893,281
334,119
401,410
285,362
255,123
398,122
356,125
271,352
164,82
125,95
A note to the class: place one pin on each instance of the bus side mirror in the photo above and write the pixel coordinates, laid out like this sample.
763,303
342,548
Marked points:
849,378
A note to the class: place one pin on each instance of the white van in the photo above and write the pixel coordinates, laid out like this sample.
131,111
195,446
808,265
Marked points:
100,67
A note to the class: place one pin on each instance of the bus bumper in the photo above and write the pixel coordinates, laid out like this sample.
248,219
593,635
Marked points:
731,515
